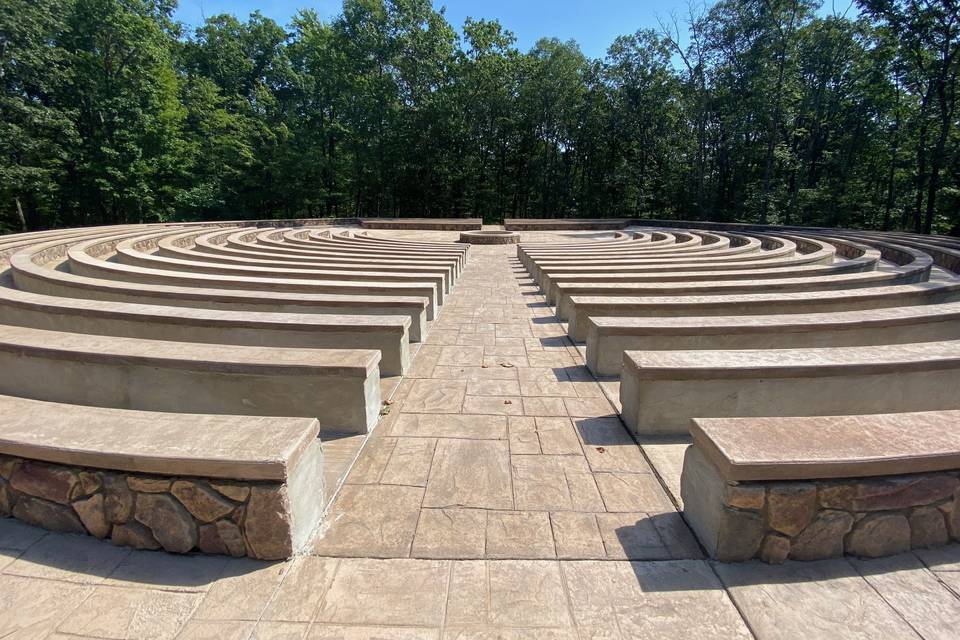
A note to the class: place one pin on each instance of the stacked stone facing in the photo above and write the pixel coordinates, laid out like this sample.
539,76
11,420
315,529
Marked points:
865,517
176,514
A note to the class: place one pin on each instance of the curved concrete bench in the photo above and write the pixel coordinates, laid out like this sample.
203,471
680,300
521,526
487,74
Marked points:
82,263
315,241
679,240
364,237
137,252
608,338
920,293
29,276
662,390
387,334
945,254
549,279
537,262
675,242
218,484
339,387
247,242
821,487
675,239
905,275
825,255
819,258
718,258
922,241
858,265
182,246
686,244
273,242
780,247
380,240
10,245
616,239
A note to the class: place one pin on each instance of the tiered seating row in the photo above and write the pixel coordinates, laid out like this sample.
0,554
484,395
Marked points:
819,487
173,383
180,482
820,373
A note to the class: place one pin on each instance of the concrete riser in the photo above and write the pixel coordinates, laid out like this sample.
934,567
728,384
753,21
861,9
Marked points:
667,406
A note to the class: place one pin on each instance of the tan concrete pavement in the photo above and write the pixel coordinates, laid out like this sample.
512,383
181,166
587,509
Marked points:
500,498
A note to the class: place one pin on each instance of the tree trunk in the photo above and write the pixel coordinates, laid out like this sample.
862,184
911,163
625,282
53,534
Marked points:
933,185
20,216
921,165
891,171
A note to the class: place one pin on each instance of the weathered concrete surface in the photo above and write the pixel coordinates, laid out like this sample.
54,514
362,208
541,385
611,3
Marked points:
54,583
662,390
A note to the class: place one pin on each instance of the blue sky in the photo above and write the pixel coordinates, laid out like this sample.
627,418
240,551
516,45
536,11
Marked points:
592,23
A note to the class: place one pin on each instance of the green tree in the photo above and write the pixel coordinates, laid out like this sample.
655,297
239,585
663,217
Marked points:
36,133
123,93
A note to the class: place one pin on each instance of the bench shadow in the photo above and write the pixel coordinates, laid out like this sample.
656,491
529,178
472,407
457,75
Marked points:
666,557
594,234
41,553
576,372
555,341
603,431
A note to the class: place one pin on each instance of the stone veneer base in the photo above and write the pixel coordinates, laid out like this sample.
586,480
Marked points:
424,224
490,237
176,514
818,519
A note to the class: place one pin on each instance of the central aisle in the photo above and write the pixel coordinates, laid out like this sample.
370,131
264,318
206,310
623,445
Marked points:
500,444
494,502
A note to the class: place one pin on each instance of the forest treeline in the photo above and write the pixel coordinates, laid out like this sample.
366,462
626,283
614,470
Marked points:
749,110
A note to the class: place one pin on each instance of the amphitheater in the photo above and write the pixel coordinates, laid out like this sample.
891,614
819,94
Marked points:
385,429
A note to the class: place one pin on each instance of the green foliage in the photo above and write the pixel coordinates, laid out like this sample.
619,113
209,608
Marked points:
110,112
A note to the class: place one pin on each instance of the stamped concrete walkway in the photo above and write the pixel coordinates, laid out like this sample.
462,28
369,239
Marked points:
499,498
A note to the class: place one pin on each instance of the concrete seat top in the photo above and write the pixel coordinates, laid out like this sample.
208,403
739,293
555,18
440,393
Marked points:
318,282
23,262
766,270
799,296
228,255
695,253
868,278
404,246
720,260
790,363
162,314
367,237
321,272
614,249
213,446
706,325
686,262
194,356
318,241
826,447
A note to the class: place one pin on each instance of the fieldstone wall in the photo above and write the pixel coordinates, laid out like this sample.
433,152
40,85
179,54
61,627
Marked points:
490,237
150,512
866,517
568,224
429,224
